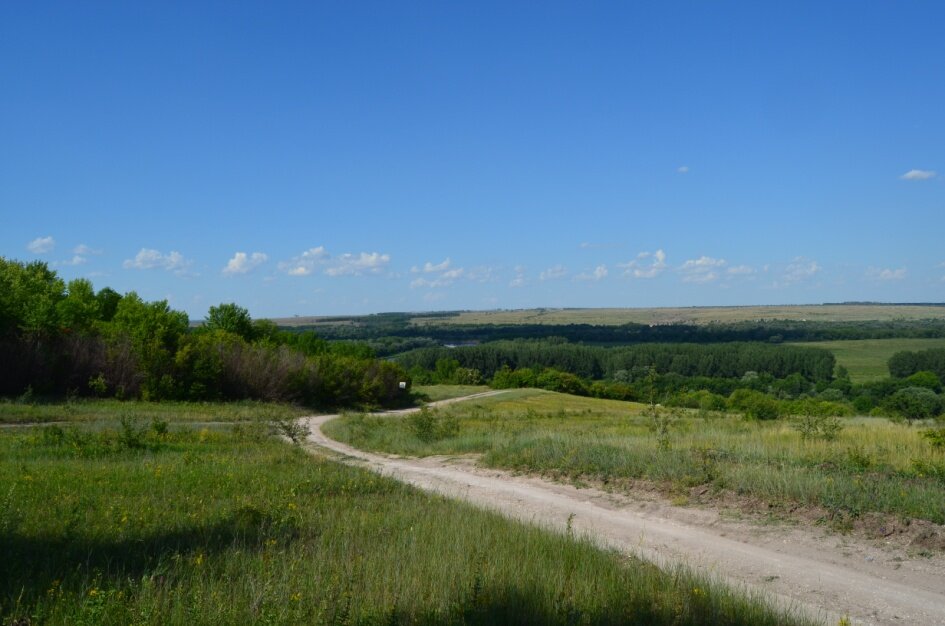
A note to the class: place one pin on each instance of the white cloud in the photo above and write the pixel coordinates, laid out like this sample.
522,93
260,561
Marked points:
358,264
800,269
683,169
553,273
918,175
885,274
148,258
78,259
599,273
519,280
305,263
85,250
41,245
430,268
646,265
705,269
243,263
740,270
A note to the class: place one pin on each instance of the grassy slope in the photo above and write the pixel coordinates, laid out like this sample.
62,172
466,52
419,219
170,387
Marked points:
445,392
198,526
873,466
866,358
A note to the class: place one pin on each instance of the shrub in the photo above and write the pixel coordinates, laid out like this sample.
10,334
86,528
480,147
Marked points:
915,403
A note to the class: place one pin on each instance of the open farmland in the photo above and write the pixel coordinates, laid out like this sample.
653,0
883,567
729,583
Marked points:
695,315
160,521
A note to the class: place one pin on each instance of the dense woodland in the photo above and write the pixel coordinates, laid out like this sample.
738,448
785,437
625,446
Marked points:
59,338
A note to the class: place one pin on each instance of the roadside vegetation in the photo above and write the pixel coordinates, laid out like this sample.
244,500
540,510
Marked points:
63,339
846,466
148,519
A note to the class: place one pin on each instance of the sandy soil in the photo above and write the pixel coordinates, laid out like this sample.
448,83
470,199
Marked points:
802,567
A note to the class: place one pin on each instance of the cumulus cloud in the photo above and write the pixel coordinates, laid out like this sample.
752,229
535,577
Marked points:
41,245
705,269
740,270
430,268
148,258
553,273
519,279
243,263
599,273
918,175
305,263
646,265
683,169
85,250
77,259
358,264
445,279
800,269
885,274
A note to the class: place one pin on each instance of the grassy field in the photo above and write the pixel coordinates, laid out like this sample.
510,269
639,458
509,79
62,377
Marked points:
444,392
873,465
134,523
692,315
18,412
866,358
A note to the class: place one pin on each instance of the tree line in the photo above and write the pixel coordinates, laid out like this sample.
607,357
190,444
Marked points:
725,360
59,338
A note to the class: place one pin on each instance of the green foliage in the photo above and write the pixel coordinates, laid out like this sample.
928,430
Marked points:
818,427
906,363
915,403
924,379
754,404
936,437
231,318
428,425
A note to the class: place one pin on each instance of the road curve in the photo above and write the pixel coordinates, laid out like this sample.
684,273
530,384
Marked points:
792,567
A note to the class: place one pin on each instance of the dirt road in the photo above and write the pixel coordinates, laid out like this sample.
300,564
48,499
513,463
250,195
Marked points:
825,575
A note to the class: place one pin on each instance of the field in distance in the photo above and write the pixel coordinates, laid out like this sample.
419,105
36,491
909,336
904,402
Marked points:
696,315
671,315
866,359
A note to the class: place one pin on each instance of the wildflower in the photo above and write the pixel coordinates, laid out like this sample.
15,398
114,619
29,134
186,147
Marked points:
198,560
93,592
296,597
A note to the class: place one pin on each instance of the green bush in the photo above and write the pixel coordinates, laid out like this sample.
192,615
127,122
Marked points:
915,403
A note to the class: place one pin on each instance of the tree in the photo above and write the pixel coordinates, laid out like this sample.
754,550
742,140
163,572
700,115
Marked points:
915,403
232,319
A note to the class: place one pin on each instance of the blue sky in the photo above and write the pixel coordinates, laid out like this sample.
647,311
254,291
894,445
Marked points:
314,159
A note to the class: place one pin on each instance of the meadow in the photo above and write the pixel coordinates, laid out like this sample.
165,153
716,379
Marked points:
137,517
846,467
866,359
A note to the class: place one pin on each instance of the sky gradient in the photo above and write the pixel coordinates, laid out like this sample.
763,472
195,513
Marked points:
332,158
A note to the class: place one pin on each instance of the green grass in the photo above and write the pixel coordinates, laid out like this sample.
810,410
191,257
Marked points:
866,359
874,465
434,393
20,412
104,523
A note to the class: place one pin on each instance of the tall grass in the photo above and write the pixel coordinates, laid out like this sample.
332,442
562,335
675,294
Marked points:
84,410
127,524
873,465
